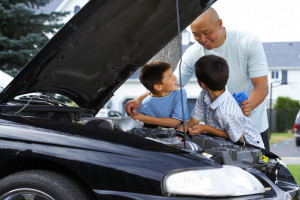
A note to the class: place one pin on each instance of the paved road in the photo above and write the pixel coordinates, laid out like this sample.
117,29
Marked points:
288,151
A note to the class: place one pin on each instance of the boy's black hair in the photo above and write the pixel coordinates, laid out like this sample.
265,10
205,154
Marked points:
213,71
152,73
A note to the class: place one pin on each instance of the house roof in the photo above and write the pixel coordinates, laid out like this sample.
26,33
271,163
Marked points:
282,54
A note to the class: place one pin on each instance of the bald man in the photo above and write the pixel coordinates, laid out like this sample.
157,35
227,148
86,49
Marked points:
248,69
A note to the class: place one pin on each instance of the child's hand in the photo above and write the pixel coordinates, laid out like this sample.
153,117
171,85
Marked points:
197,129
132,106
138,116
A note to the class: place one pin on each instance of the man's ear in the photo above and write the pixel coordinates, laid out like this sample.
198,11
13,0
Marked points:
157,87
220,24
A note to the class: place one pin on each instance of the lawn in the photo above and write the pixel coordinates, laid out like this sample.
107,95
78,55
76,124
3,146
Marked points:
295,170
280,137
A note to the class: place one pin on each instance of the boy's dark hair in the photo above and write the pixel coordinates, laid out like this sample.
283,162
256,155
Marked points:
213,71
152,73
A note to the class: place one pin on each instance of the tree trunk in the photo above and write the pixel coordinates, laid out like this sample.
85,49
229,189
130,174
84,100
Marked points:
169,54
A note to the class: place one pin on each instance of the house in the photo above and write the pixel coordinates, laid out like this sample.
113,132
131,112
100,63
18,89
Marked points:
284,70
71,6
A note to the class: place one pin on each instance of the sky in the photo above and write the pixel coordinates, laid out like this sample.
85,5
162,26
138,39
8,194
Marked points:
271,20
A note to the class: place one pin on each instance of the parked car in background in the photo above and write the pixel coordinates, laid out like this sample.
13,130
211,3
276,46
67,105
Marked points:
52,151
5,79
297,129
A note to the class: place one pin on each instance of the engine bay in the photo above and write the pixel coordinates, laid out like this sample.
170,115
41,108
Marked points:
220,150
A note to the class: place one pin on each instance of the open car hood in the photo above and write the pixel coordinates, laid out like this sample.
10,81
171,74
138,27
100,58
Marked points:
100,47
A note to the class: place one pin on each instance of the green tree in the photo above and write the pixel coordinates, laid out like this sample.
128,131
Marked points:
287,110
23,31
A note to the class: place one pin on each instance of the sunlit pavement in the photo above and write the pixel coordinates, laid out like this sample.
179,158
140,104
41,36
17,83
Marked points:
287,151
291,160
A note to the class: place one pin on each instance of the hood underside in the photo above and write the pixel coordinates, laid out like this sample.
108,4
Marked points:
100,47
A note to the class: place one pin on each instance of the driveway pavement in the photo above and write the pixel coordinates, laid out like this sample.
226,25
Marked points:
287,151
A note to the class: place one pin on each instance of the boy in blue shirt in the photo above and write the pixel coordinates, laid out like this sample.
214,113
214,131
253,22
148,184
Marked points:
163,105
222,114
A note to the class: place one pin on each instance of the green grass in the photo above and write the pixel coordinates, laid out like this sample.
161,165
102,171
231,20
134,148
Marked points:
295,171
280,137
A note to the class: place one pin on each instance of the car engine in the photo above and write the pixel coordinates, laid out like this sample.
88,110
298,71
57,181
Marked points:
219,149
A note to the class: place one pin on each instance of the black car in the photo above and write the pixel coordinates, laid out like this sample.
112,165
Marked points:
51,151
297,129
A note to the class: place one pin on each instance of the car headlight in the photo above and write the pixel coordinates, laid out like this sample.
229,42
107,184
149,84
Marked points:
225,181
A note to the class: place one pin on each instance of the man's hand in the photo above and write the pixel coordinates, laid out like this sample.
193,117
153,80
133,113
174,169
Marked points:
246,107
197,129
258,94
132,106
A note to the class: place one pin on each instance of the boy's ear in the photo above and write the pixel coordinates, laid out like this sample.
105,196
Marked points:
199,83
202,85
157,87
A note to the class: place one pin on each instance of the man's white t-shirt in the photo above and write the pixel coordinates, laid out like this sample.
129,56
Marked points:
246,59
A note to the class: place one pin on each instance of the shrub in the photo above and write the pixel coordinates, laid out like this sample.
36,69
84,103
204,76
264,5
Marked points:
287,110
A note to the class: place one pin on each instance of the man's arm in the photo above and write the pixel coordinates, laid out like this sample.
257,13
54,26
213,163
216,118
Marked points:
169,122
257,67
258,94
132,105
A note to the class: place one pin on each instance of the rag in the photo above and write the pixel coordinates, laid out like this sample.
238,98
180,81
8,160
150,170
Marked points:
240,97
